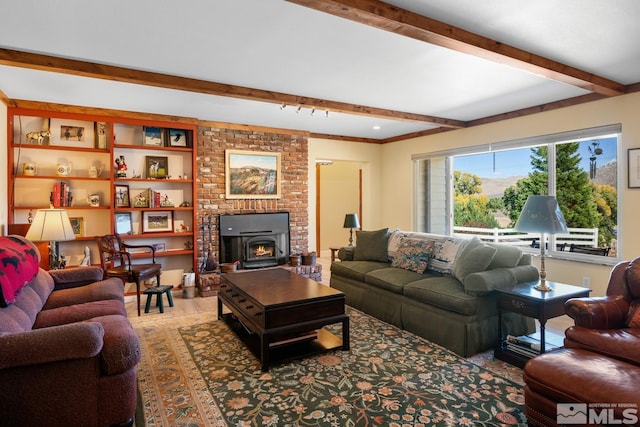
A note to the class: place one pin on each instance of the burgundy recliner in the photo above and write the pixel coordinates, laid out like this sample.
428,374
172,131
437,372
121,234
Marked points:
609,325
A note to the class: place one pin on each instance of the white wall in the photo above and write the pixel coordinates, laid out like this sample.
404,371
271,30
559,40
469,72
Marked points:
397,170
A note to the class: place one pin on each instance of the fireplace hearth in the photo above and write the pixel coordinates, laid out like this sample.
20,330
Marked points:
254,240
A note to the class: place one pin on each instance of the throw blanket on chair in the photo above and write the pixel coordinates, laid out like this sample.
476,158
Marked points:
18,266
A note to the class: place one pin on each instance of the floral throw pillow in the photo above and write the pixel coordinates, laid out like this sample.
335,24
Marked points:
444,254
413,254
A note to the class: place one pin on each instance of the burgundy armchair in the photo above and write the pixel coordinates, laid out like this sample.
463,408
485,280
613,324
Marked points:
609,325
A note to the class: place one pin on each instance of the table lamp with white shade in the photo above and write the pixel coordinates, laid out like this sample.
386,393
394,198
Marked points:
541,214
53,226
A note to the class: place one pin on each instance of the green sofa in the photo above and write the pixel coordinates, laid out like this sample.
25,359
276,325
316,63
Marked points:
438,287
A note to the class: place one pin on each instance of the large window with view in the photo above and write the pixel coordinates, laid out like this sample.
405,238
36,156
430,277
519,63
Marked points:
485,190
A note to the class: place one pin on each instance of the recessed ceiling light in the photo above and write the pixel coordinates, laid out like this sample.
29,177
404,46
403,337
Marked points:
377,127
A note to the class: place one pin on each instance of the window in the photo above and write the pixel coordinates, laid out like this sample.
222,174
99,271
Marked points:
482,190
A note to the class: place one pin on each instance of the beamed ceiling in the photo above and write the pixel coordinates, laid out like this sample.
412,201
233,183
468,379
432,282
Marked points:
358,70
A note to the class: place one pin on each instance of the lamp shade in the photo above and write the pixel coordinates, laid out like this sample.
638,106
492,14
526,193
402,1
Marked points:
351,221
50,225
541,214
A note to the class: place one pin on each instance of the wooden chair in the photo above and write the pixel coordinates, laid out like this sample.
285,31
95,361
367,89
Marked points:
116,262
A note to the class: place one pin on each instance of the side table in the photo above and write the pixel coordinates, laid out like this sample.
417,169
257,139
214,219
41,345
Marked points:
333,253
524,299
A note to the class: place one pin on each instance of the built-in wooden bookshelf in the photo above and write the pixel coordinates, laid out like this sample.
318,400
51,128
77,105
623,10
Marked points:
86,152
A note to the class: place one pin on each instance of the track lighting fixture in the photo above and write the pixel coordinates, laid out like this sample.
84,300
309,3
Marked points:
299,109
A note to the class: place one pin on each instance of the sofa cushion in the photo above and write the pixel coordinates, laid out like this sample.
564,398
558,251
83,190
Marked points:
356,269
78,313
633,318
18,266
395,238
506,256
372,245
413,254
445,292
444,254
109,289
391,279
474,257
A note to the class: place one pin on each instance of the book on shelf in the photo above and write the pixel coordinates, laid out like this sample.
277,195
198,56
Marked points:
524,351
531,342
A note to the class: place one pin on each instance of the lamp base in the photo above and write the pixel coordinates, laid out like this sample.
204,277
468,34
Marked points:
543,287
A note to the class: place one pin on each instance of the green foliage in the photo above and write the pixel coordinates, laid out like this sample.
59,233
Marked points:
473,211
583,204
470,209
466,183
606,198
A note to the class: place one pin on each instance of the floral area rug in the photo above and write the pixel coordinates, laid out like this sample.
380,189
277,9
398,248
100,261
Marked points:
203,375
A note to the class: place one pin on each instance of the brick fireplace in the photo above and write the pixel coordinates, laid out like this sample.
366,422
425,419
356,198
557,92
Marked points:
212,141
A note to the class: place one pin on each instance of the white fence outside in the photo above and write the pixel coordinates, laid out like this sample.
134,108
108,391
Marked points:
508,236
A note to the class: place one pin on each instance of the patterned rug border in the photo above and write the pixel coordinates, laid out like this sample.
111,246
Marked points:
204,410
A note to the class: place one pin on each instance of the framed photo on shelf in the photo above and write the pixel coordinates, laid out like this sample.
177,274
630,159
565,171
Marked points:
123,223
72,133
153,136
159,247
252,175
77,224
156,167
178,138
157,221
633,157
122,196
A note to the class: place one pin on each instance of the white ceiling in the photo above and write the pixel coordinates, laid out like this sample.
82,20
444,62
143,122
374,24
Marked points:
275,45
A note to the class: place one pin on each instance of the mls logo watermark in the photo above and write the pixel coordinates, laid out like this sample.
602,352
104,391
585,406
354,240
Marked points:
597,413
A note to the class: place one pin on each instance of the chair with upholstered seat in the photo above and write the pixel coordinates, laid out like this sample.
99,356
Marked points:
116,262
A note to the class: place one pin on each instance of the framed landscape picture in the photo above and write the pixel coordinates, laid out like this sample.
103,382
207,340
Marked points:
252,175
157,221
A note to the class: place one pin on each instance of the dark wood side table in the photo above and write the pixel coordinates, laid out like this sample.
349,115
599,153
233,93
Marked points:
524,299
333,253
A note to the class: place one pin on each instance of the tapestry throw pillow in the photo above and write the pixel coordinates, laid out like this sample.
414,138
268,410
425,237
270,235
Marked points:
474,257
18,266
395,238
444,254
372,245
413,254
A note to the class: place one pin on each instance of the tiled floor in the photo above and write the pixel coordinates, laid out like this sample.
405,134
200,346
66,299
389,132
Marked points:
186,307
192,306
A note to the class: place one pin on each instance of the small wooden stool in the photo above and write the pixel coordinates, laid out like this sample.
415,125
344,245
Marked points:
158,291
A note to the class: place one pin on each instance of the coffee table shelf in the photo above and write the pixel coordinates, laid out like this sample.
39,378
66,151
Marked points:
270,307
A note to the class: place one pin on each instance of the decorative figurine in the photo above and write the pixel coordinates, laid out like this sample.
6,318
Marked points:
121,167
87,257
30,217
166,201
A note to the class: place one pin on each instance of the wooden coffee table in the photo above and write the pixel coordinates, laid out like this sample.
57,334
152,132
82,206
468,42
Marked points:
280,315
